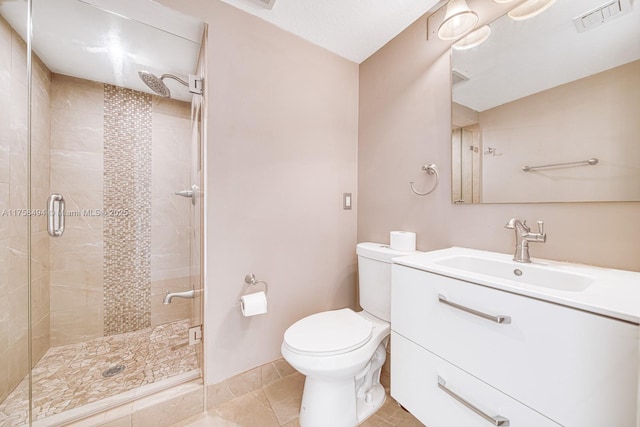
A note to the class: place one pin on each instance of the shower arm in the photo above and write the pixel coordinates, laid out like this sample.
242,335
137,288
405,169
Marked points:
176,78
194,84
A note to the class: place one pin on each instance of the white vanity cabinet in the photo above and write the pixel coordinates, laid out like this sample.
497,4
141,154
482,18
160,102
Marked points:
533,362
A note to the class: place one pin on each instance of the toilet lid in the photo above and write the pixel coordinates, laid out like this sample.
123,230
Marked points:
329,332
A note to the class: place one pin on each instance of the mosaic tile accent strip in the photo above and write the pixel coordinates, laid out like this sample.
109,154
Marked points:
70,376
127,205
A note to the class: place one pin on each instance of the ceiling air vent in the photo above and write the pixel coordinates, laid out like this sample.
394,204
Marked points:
267,4
601,14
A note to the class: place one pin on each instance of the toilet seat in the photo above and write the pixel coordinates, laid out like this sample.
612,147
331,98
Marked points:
328,333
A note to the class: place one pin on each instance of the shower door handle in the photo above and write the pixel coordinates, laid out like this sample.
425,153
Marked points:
55,215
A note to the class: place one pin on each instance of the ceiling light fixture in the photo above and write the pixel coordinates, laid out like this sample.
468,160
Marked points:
473,39
459,19
529,9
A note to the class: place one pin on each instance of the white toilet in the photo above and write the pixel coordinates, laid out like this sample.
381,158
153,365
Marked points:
341,352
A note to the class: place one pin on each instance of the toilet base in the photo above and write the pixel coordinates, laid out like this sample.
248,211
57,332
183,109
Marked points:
338,406
370,395
366,409
344,402
328,403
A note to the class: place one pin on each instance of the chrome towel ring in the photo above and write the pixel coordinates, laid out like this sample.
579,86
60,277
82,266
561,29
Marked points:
431,170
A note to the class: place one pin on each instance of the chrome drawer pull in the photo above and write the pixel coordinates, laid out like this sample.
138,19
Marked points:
498,319
496,421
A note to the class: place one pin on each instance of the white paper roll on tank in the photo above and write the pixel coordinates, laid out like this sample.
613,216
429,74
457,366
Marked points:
402,241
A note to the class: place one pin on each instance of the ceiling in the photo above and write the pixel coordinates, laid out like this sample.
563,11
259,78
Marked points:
109,41
521,58
353,29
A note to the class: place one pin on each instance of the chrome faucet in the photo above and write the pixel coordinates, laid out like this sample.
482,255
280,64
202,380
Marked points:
524,236
171,295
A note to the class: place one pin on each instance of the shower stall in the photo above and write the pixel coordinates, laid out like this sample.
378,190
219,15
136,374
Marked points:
100,206
465,164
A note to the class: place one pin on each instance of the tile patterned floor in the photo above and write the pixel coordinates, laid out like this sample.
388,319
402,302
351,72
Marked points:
71,376
277,404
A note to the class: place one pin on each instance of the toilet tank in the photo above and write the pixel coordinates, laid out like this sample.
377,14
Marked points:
374,277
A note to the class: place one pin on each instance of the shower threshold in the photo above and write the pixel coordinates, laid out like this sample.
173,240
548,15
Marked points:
85,411
68,385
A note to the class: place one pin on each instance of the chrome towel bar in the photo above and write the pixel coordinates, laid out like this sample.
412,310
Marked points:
590,162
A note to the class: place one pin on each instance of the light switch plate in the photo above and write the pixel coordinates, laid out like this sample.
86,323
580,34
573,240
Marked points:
347,201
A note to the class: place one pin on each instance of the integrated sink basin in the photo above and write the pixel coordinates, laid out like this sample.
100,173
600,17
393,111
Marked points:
605,291
536,274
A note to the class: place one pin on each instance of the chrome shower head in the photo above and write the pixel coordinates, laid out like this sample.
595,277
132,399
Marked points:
155,83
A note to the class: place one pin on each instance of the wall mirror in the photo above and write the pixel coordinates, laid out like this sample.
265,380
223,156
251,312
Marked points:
547,109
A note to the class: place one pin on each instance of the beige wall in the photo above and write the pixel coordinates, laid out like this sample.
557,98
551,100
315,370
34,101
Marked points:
14,194
281,150
567,123
405,122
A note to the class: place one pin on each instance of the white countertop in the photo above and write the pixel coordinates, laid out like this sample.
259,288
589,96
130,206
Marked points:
612,293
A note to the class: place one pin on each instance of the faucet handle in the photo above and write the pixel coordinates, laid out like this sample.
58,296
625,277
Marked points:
543,235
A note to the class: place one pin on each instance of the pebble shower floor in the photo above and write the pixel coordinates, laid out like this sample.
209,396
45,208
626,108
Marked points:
70,376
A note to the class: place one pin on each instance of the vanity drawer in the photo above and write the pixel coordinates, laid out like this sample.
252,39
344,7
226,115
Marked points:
414,384
579,369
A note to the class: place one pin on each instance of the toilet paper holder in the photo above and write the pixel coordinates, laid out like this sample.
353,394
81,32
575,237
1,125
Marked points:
250,279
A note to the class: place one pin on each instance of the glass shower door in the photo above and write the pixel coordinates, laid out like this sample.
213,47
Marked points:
85,317
16,227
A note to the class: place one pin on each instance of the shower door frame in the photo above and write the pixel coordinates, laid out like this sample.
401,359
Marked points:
197,283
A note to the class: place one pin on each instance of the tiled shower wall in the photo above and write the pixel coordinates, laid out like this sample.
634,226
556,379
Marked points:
77,312
14,194
78,144
127,203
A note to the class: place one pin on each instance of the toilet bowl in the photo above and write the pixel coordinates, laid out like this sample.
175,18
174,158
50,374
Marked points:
341,352
342,365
